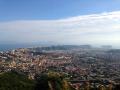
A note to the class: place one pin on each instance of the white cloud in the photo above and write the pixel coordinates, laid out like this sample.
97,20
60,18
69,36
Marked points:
103,28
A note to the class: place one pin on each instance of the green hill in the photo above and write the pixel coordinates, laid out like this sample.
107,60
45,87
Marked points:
48,81
15,81
52,81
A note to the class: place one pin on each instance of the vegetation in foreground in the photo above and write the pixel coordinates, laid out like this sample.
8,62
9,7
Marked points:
48,81
15,81
52,81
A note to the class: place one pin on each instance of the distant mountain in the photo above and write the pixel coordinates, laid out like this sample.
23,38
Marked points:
114,51
61,47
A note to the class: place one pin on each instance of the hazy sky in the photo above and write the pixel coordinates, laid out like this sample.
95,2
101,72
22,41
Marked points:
60,21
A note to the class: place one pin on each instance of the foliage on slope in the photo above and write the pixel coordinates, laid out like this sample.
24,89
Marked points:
15,81
52,81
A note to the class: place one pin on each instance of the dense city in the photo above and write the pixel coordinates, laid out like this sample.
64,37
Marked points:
81,65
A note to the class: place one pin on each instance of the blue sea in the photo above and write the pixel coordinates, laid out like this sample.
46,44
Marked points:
6,47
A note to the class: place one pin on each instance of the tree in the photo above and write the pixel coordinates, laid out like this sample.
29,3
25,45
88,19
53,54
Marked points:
51,81
15,81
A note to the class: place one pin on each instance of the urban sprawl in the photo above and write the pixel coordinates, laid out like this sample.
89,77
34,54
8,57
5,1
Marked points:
80,64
